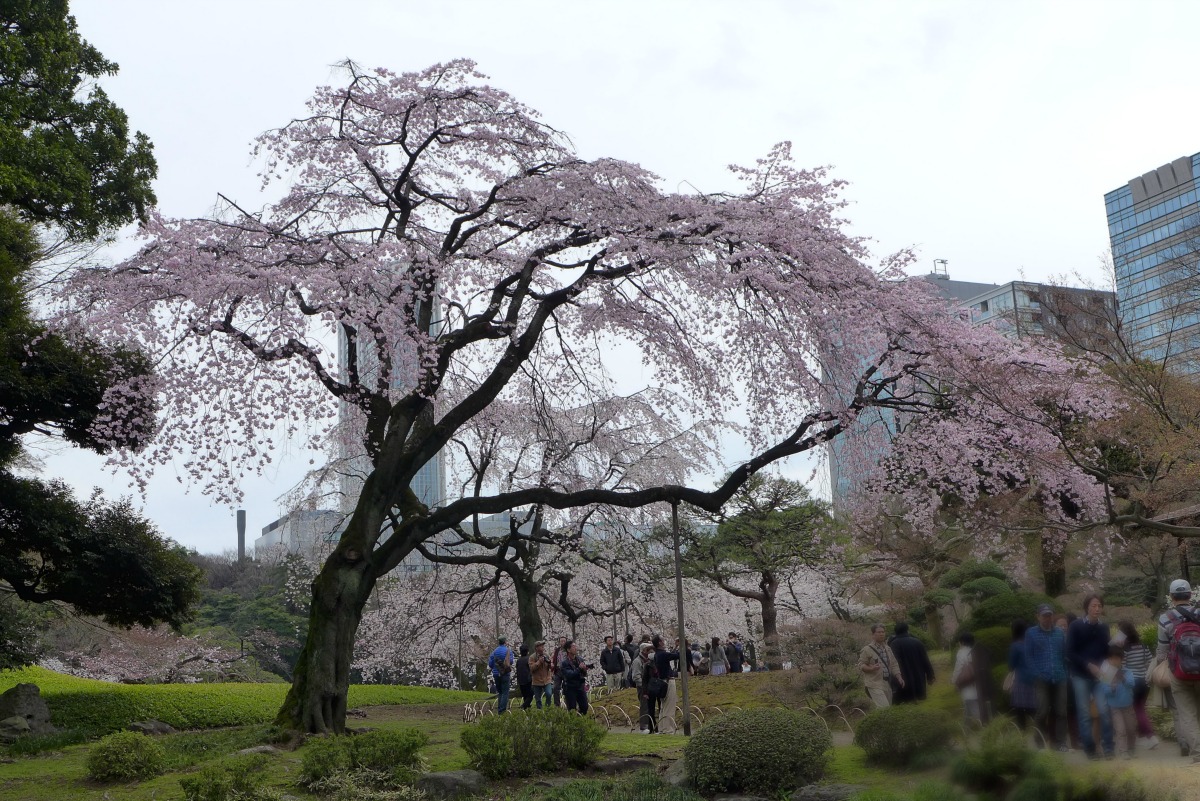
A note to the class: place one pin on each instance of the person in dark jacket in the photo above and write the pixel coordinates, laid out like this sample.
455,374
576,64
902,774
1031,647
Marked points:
733,653
612,662
914,664
1087,650
1022,694
574,676
524,677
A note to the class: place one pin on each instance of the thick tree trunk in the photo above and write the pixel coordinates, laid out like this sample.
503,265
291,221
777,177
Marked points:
528,616
317,700
1054,568
770,621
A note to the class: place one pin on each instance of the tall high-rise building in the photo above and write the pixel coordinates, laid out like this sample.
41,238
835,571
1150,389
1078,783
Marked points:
1154,229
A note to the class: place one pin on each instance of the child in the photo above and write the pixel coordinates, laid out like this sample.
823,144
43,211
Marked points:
1117,685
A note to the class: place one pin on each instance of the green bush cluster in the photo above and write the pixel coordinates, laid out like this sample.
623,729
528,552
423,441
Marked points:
125,756
1002,610
996,762
379,758
644,785
104,706
898,734
237,779
757,750
527,742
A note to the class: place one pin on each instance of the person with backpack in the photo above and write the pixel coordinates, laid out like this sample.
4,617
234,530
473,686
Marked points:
1087,651
501,664
656,678
645,705
1179,646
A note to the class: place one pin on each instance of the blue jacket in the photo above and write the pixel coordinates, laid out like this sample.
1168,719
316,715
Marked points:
1120,694
498,656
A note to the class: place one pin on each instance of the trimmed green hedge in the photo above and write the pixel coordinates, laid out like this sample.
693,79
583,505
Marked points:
104,706
759,751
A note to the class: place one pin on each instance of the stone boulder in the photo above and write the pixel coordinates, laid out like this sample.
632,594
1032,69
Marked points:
621,765
452,783
151,727
675,774
25,701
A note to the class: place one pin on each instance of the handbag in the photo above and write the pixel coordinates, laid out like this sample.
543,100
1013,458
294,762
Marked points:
1160,675
966,675
656,688
1009,680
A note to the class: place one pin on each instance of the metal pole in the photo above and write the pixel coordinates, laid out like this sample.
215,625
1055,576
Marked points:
684,654
625,597
612,595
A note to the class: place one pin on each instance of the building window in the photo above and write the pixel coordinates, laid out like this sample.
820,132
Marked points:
1034,299
983,305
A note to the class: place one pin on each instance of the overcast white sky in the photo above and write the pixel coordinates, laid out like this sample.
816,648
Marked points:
983,133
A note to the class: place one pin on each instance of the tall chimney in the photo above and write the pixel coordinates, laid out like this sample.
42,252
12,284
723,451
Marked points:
241,525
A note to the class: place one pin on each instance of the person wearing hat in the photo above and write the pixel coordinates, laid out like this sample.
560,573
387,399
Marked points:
1045,649
1185,693
501,664
539,668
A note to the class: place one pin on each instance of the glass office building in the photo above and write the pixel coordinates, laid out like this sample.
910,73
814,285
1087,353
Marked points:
1154,229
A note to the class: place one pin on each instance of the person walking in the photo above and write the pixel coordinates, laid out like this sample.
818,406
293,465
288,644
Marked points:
1185,692
913,664
574,676
501,663
1116,685
1087,650
879,667
1022,695
964,677
718,662
1137,662
524,676
1045,659
539,668
612,662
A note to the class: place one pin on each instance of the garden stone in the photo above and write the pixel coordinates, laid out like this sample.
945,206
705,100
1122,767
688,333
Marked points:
556,781
13,727
151,727
260,749
621,765
826,792
451,783
676,774
25,701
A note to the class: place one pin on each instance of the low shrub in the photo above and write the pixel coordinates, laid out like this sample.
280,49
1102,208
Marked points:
527,742
237,779
377,758
37,743
125,756
997,762
645,785
896,735
757,750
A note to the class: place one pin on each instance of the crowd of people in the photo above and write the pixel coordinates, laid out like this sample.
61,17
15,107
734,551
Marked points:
563,677
1083,684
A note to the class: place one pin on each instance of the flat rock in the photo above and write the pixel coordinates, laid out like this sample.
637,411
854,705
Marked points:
151,727
452,783
622,765
13,727
555,781
826,792
675,774
260,749
25,701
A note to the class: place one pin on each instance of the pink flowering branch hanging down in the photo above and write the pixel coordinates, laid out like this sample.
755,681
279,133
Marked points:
466,260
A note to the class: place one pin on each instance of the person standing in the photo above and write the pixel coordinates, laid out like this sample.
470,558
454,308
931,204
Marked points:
1185,693
1087,650
733,653
642,667
969,666
1137,662
524,677
878,665
630,648
555,660
1022,697
501,664
1045,659
663,661
612,662
539,668
718,663
913,664
574,676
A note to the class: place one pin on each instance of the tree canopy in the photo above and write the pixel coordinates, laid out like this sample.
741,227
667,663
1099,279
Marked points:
476,272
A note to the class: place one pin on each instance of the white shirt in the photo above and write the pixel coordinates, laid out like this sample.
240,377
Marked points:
970,692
